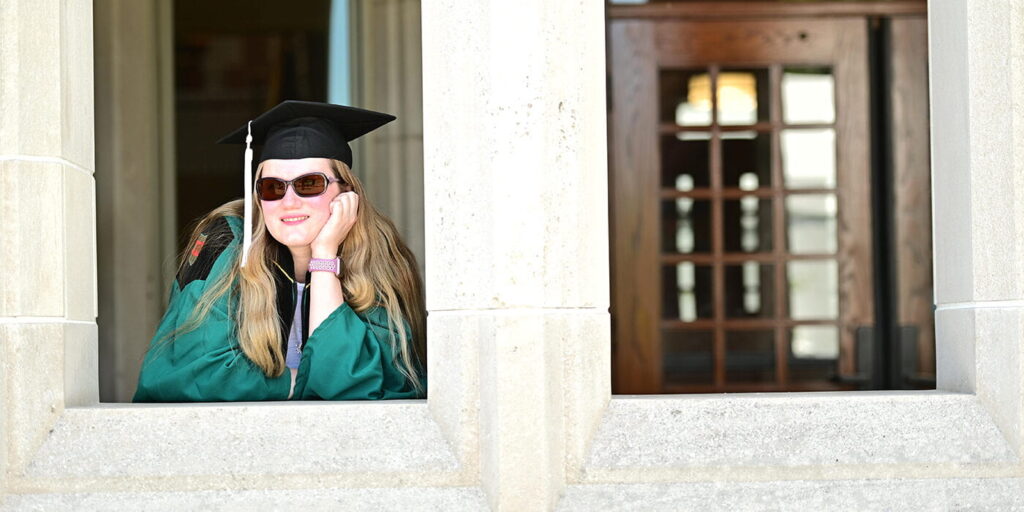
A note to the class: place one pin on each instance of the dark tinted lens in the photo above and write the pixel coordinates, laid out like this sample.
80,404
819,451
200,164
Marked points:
310,185
270,189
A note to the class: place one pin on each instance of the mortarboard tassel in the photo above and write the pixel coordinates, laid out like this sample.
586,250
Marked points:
247,234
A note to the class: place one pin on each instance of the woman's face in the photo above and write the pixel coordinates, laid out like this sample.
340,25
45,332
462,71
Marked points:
295,221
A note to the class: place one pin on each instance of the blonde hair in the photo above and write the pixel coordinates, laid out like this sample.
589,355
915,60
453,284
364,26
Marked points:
379,271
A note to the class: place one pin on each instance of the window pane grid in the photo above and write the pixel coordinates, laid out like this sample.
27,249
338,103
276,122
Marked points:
778,187
748,228
717,232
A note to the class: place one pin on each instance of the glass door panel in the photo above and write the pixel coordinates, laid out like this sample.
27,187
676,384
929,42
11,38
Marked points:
747,160
750,357
753,196
809,158
689,358
808,96
742,96
686,292
749,290
685,158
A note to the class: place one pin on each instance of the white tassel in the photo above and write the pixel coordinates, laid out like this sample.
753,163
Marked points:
247,234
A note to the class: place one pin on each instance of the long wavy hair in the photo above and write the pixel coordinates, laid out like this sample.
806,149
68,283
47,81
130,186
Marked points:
380,271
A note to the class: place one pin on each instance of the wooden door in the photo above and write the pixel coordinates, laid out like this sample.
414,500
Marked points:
740,202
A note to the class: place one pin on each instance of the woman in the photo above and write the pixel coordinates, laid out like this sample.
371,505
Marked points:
311,294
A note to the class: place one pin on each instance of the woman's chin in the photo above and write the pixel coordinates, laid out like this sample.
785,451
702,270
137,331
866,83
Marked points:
294,240
299,243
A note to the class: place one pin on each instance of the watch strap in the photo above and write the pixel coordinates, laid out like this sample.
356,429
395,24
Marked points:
325,265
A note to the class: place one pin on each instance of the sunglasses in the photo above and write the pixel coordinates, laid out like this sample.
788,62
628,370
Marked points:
307,185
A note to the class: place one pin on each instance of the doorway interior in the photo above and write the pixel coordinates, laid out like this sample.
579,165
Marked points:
769,197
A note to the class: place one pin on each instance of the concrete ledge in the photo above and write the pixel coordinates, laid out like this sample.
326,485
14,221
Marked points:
411,498
647,438
246,445
863,495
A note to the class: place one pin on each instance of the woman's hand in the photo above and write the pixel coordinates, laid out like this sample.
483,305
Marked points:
344,208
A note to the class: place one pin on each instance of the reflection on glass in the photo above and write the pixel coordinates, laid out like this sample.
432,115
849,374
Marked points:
752,289
813,289
684,158
749,181
815,342
750,356
749,290
809,158
687,357
686,292
696,110
693,135
807,96
747,224
811,223
742,96
686,225
750,224
746,153
687,298
684,182
682,99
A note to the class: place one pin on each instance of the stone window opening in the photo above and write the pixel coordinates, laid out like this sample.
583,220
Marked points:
525,358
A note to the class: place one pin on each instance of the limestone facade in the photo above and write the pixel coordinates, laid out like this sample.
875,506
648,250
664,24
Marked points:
520,415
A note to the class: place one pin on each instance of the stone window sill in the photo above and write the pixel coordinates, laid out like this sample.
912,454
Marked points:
652,438
242,444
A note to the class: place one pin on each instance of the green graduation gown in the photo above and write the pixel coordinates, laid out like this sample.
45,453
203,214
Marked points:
348,357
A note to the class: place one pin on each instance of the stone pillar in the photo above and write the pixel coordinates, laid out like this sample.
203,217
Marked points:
130,176
976,56
47,221
517,233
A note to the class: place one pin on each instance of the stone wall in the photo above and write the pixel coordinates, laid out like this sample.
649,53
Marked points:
47,223
520,415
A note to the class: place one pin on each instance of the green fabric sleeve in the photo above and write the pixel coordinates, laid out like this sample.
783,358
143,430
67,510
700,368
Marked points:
349,357
204,364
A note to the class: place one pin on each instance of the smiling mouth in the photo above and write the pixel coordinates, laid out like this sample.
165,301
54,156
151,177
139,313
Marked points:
294,220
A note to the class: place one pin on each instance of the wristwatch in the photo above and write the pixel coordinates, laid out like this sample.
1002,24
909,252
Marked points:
325,265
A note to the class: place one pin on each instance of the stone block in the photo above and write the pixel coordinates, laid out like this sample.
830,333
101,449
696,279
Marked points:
955,354
672,437
977,181
454,378
79,245
4,413
32,80
526,360
33,375
32,229
951,152
519,240
520,377
46,90
81,365
865,495
248,444
586,362
999,339
77,119
527,224
998,259
446,499
997,262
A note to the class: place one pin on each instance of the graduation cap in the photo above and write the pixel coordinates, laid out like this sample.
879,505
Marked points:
301,129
